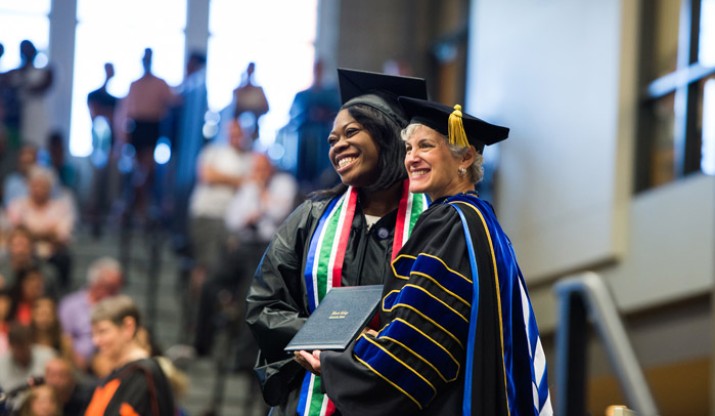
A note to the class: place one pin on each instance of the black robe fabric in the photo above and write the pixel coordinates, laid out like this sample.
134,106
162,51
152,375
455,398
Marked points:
416,364
140,385
277,303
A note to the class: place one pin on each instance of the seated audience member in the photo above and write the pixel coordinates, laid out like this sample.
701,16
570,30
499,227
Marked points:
42,401
137,385
104,279
29,286
24,360
21,255
15,183
47,330
49,220
261,204
252,217
72,394
222,169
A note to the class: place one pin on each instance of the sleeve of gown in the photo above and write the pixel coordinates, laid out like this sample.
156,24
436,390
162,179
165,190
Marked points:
275,307
421,348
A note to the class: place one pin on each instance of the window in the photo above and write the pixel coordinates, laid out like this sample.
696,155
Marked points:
676,128
118,32
280,44
23,20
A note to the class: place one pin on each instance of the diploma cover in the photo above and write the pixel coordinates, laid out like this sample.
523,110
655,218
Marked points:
338,319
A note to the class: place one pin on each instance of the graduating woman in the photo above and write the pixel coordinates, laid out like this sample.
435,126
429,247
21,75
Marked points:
345,236
459,334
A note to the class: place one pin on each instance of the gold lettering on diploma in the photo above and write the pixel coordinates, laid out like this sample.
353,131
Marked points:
338,315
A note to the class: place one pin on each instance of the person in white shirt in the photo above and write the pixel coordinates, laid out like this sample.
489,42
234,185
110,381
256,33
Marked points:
222,169
24,359
258,207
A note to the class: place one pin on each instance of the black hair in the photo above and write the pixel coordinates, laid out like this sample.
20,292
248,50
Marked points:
19,334
16,288
386,133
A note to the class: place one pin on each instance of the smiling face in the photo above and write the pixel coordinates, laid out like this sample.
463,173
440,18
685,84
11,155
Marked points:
113,340
353,152
431,166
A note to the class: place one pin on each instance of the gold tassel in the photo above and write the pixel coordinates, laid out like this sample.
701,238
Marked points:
456,134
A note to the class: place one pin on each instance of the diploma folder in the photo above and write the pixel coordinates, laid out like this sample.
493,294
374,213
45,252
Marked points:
338,319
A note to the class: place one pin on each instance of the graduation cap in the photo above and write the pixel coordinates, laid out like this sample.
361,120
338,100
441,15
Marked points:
461,129
354,83
379,91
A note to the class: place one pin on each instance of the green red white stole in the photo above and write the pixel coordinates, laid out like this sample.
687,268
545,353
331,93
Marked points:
324,268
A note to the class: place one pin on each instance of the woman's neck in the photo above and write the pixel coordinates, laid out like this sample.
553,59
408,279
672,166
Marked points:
458,188
380,203
132,353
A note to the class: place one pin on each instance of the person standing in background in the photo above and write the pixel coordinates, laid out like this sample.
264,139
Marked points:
9,125
249,100
254,213
102,103
147,103
311,118
102,106
188,117
222,169
33,84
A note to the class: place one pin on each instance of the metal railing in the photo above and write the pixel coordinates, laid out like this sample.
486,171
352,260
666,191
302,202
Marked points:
584,299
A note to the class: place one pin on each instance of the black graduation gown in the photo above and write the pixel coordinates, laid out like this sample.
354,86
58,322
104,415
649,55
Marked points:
139,385
277,304
416,365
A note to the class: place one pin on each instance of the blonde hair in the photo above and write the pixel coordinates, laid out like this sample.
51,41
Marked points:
115,309
177,379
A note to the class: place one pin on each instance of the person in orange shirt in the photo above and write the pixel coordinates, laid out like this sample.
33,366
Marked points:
137,385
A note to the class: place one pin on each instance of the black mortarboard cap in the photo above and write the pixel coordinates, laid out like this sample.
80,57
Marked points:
378,90
457,126
354,83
